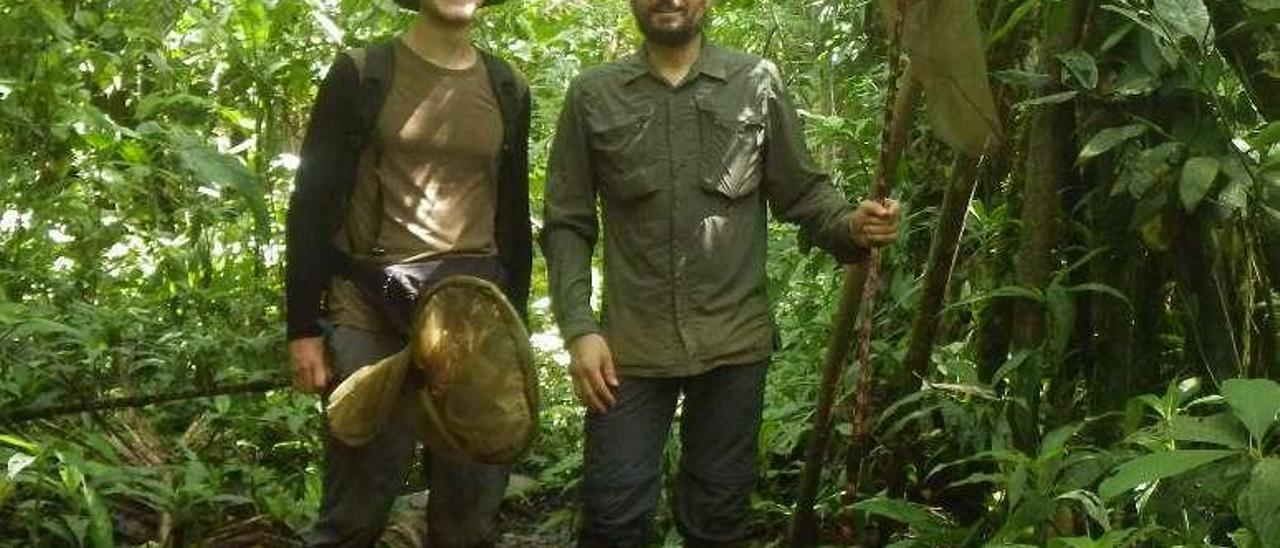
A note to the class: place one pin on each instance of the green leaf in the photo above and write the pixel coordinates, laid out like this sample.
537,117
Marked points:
1221,429
1082,66
100,528
1157,466
1056,440
1255,402
1073,542
920,518
1017,16
1269,135
1263,5
1259,503
1011,366
55,18
18,462
1092,506
1197,178
1111,539
1244,538
1148,168
14,441
1061,307
1104,289
1022,78
1186,18
1052,99
213,167
1108,139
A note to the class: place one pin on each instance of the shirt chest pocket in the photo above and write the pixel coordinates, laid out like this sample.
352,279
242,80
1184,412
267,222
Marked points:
620,155
732,150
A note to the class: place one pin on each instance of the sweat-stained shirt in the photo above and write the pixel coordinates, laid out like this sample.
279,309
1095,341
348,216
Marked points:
682,175
427,184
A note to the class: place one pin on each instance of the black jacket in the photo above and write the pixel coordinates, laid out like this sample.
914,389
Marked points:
330,154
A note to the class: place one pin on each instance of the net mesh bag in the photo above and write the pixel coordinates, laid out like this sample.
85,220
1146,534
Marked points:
465,381
948,57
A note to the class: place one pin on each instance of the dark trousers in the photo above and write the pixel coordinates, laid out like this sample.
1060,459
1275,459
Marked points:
361,483
719,427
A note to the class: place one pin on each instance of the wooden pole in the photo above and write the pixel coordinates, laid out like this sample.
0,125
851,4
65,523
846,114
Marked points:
37,413
804,524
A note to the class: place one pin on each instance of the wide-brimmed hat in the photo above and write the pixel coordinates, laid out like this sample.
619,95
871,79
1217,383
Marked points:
465,381
415,5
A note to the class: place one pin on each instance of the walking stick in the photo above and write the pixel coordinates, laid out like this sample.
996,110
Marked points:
859,283
945,44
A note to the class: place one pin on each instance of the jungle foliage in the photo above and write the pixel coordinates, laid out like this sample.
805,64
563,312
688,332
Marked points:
1101,373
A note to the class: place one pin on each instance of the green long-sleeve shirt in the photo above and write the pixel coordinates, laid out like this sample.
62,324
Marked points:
682,175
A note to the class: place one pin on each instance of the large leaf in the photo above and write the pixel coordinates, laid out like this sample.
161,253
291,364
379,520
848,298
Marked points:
1082,66
1221,429
1056,440
18,462
1259,503
1156,466
1255,401
1185,18
213,167
1149,167
1108,139
1112,539
920,518
1091,505
100,527
1263,5
1197,178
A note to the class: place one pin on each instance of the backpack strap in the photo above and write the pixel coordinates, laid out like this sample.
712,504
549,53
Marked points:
376,65
504,82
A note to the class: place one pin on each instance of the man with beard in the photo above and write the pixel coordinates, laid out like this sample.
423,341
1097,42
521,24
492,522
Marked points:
438,172
682,144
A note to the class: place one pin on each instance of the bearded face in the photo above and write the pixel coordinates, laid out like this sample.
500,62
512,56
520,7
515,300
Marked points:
670,22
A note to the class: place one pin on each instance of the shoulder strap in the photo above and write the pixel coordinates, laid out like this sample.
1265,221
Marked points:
503,79
376,65
376,68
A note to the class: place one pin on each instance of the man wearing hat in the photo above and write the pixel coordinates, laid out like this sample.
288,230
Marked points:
682,145
440,173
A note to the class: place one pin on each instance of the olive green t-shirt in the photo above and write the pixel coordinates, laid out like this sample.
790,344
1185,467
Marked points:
427,183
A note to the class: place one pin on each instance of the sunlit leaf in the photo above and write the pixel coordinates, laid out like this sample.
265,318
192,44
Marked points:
1255,401
1186,18
1108,139
1197,178
1259,504
1157,466
921,518
18,462
211,166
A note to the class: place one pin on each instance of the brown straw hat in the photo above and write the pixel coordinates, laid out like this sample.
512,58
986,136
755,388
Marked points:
416,4
465,381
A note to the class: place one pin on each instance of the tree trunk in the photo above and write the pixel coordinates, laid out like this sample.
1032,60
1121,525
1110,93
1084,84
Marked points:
1213,326
942,254
1048,168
